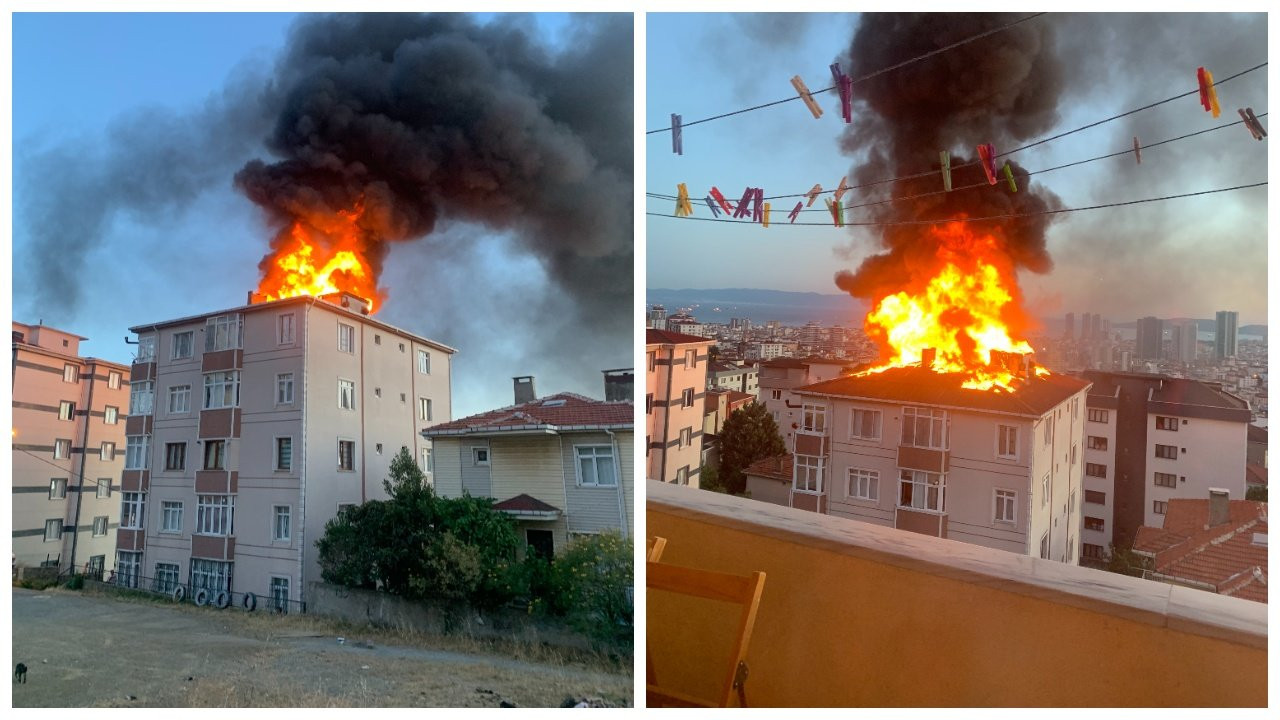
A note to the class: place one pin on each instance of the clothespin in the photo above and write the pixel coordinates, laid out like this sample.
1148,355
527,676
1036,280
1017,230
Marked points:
1008,176
1208,95
987,154
757,213
806,96
844,185
677,138
1252,123
945,157
715,193
1137,149
795,212
744,205
813,194
837,212
844,84
765,221
683,208
715,211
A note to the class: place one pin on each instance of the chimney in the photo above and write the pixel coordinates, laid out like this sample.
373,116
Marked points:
1219,509
927,356
619,384
524,389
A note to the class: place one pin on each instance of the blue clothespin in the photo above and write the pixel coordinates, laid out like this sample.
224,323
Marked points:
715,211
677,140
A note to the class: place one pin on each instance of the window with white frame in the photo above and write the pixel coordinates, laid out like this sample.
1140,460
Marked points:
686,437
224,332
921,490
1166,423
424,362
175,456
682,475
284,389
210,575
1166,480
66,410
52,529
814,418
146,348
1006,506
691,358
1095,469
128,568
808,474
1095,442
282,517
61,449
480,455
280,594
179,399
113,380
346,395
347,455
1159,507
214,514
111,415
1168,452
1044,546
424,408
100,526
864,484
1007,442
70,373
131,507
595,466
924,427
284,454
57,488
1092,523
215,454
181,345
775,394
166,579
652,358
346,338
864,424
1048,430
1096,415
686,397
222,389
428,461
284,329
104,487
1044,490
171,516
141,397
137,452
107,452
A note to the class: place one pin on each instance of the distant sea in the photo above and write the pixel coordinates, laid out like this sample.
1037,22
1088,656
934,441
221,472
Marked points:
761,306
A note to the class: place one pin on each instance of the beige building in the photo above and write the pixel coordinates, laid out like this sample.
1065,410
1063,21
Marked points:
250,428
675,385
68,451
779,377
560,466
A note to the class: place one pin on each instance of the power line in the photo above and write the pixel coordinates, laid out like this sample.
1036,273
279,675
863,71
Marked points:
868,76
1007,216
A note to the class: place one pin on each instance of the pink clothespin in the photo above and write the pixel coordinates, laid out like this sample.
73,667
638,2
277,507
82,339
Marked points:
844,185
813,194
1252,123
757,213
677,139
795,212
1137,150
987,154
844,84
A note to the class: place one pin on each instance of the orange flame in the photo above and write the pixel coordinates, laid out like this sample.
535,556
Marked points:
964,305
318,262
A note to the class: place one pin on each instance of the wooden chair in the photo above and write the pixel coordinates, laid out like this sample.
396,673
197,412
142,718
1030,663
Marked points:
655,550
743,591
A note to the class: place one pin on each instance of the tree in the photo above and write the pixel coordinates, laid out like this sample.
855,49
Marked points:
1125,561
749,434
1257,492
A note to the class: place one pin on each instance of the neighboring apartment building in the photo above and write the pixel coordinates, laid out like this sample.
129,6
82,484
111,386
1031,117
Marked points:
779,377
675,385
1149,439
68,450
728,376
561,465
911,449
250,428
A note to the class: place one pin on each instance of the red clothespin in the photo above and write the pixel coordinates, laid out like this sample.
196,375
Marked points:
1208,95
813,194
945,158
1008,176
844,185
844,85
806,96
837,213
677,138
1137,149
715,193
987,154
757,210
765,221
683,208
744,205
795,212
1252,123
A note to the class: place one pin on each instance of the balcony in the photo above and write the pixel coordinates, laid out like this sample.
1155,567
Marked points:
858,615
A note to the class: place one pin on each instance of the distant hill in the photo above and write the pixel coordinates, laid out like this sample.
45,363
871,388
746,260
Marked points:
789,308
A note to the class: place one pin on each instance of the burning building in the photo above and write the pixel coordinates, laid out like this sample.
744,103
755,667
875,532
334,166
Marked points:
250,428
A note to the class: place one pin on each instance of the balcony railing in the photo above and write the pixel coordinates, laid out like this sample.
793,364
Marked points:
859,615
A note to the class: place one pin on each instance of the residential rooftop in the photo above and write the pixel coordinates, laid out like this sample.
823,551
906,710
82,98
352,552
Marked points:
669,337
1231,557
560,412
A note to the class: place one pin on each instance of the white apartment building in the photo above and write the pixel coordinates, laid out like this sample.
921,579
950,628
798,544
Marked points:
675,389
729,376
250,428
779,377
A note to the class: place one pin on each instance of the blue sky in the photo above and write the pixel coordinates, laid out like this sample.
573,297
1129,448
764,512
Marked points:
82,81
1180,258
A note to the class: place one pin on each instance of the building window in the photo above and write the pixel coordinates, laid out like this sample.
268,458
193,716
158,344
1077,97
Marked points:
66,410
181,345
146,349
1159,507
1168,452
223,332
864,424
1095,470
179,399
222,390
1006,506
104,487
1166,480
100,526
1007,442
808,474
686,397
1096,443
924,427
864,484
57,488
131,510
284,389
775,394
175,456
480,455
686,437
166,580
71,373
284,329
595,466
691,358
107,452
346,395
215,454
1048,430
814,418
428,461
1044,546
424,362
137,452
343,507
284,454
61,449
113,380
210,575
424,408
214,514
280,524
921,490
1093,523
141,396
128,568
1166,423
280,594
347,455
1098,416
52,529
171,516
648,404
1074,453
346,338
1097,497
682,475
1091,551
111,415
1044,490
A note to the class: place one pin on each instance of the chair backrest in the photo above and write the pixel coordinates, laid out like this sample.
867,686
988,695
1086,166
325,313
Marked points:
740,590
655,552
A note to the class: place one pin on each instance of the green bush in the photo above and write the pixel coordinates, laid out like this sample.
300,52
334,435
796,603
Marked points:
590,582
76,582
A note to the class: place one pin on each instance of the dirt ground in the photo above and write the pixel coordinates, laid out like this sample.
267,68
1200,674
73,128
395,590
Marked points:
94,650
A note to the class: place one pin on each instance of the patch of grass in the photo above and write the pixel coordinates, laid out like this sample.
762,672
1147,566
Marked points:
37,583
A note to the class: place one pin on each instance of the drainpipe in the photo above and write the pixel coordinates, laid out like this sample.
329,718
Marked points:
617,470
84,454
666,417
303,407
364,450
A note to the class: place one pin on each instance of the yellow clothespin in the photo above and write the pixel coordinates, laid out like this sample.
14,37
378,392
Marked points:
683,207
765,222
806,96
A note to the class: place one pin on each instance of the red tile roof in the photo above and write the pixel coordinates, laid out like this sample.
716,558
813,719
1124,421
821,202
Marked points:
562,411
1255,474
525,504
1224,557
668,337
777,468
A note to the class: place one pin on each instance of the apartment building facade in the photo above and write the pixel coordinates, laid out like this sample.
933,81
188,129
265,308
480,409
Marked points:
777,380
911,449
675,386
730,376
68,451
250,428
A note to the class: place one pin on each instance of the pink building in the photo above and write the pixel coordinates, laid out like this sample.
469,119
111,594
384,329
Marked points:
675,385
